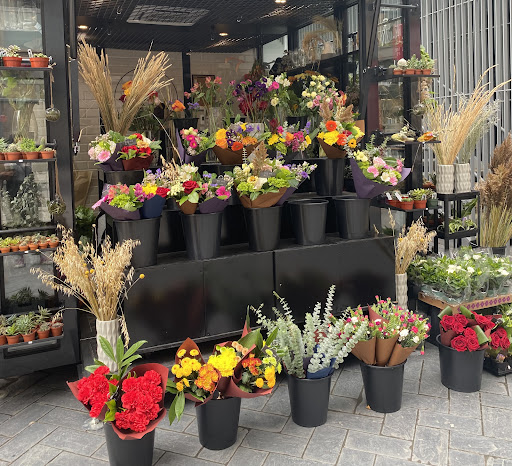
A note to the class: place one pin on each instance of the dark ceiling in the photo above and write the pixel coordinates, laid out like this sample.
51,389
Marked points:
123,23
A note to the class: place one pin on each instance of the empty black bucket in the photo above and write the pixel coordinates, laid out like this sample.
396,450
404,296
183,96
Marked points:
202,234
217,423
263,228
127,177
125,452
329,176
352,217
185,123
147,232
461,370
308,220
383,386
309,400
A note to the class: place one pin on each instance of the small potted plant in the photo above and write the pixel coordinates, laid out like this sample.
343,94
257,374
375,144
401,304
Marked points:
411,65
26,324
407,203
39,60
426,63
3,148
15,243
53,241
43,331
11,331
13,152
43,323
43,242
11,57
57,326
393,202
29,149
5,246
47,153
419,196
401,66
32,242
3,328
24,244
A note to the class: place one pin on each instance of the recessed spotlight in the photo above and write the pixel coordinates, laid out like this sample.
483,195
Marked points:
83,26
223,34
281,2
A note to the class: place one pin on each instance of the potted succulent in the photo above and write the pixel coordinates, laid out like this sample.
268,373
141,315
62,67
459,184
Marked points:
400,67
407,203
3,328
11,332
15,243
26,324
33,242
130,402
426,63
420,197
3,148
11,57
42,242
57,326
44,330
43,321
310,356
24,244
29,149
412,65
53,241
47,153
5,246
12,152
39,60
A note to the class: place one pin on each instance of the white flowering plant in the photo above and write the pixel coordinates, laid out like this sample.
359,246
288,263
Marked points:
324,342
277,90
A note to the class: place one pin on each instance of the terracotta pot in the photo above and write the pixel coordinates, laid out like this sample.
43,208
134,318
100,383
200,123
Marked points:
13,156
43,245
24,248
418,71
410,71
407,205
5,250
13,62
3,340
57,331
31,155
43,334
427,71
32,246
13,339
15,248
47,154
420,204
397,71
332,152
53,245
29,336
39,62
138,163
392,202
228,157
188,208
2,156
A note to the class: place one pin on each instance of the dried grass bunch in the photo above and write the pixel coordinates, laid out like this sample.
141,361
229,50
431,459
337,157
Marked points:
410,242
453,127
149,76
496,198
100,280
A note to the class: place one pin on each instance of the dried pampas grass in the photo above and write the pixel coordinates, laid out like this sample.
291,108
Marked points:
149,76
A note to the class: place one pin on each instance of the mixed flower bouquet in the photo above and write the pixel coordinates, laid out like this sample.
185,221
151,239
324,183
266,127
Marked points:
277,91
207,94
230,142
287,139
464,330
193,144
252,98
152,192
104,148
138,156
310,90
499,351
120,202
262,182
131,399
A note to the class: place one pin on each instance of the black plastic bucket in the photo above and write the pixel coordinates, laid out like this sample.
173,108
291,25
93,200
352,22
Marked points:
309,400
461,370
309,217
329,176
127,177
217,423
125,452
383,386
147,232
185,123
352,217
202,235
263,228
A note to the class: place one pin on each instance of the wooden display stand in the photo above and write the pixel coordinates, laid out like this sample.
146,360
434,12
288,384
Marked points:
472,305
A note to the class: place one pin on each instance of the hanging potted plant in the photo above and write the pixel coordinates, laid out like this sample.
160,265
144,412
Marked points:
310,356
10,56
260,185
193,145
39,60
137,155
201,199
100,278
390,335
464,336
130,401
237,139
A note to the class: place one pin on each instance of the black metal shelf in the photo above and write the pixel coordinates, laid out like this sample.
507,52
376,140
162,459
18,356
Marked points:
30,251
28,230
387,206
28,160
410,143
457,234
23,68
387,74
457,196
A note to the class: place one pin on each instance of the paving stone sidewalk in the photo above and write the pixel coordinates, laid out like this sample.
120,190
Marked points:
41,423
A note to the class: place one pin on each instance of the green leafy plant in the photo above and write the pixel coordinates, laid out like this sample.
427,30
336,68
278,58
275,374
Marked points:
39,55
25,323
84,221
420,193
45,326
23,297
3,145
413,63
13,147
44,315
11,51
11,330
27,145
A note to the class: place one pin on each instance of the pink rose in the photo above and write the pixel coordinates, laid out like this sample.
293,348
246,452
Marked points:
92,154
373,171
393,180
378,162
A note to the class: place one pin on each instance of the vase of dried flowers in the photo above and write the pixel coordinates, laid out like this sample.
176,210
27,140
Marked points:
445,179
462,177
108,329
401,289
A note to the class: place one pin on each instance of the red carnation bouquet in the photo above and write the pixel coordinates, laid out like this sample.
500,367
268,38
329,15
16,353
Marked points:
465,330
138,156
131,399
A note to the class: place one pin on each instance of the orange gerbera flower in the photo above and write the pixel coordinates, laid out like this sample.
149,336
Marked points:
237,146
222,143
249,141
342,140
289,136
177,106
331,125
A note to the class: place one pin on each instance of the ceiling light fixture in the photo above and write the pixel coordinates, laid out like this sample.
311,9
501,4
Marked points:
223,34
83,27
281,2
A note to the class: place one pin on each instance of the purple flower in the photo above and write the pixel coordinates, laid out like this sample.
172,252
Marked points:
192,106
249,128
304,175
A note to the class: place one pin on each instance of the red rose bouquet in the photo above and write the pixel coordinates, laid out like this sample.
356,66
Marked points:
499,350
138,156
131,399
465,330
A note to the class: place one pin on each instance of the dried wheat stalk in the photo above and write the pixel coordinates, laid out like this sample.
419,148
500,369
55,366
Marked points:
451,126
502,154
149,76
258,157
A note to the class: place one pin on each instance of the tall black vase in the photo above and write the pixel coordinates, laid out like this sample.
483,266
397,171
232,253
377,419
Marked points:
147,232
202,235
383,386
263,228
461,370
185,123
309,400
352,217
329,176
309,217
217,423
127,177
125,452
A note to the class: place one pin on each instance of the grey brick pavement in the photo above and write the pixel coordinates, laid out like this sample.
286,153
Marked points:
41,423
